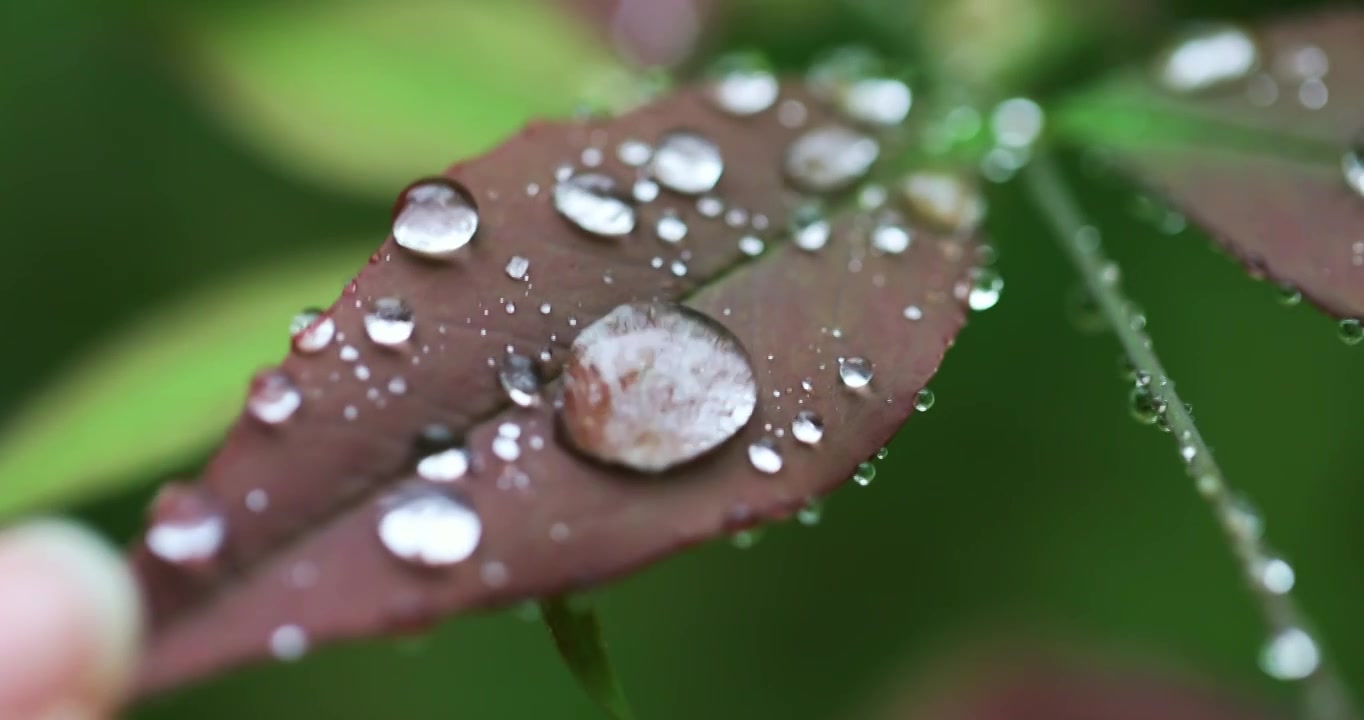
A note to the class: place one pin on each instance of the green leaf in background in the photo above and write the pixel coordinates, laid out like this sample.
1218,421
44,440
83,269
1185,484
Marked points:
365,95
577,634
161,390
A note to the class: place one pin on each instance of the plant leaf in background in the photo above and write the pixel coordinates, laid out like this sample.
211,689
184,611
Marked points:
1255,134
327,516
578,636
364,95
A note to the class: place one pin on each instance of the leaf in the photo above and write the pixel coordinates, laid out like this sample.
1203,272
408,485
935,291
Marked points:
1265,178
577,634
158,392
310,565
364,95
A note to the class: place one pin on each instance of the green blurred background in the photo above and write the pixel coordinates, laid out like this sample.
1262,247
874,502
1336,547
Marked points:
153,152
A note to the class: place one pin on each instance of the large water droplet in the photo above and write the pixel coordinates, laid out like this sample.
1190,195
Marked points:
743,84
1290,655
945,200
831,158
593,203
435,218
1146,408
1208,57
428,526
653,385
519,379
1352,165
445,466
312,331
764,456
186,527
273,397
807,427
855,372
389,322
809,228
986,287
687,163
671,228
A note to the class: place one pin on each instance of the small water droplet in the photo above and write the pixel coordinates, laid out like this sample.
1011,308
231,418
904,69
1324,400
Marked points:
312,330
855,372
645,190
389,322
635,153
884,452
186,527
944,200
1275,575
710,206
745,539
811,513
764,456
592,202
445,466
1188,453
807,427
828,159
517,267
913,312
288,643
687,163
435,218
923,402
678,268
273,397
890,236
519,379
428,526
810,229
865,474
751,245
743,84
986,287
1146,408
1207,57
1291,654
1351,331
653,385
671,228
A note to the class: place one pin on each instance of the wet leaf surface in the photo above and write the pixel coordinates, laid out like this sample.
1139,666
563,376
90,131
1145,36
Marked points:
303,503
1258,159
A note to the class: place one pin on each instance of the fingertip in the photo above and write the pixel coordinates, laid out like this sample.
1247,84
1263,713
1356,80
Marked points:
70,622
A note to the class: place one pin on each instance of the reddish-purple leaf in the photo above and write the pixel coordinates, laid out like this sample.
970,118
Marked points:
1261,158
290,555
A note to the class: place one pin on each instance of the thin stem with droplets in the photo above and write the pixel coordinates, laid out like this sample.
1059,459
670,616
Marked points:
1292,652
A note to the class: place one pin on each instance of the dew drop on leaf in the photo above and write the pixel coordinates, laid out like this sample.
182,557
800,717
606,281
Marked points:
519,379
807,427
1289,295
517,267
944,200
671,228
751,245
312,331
389,322
445,466
923,402
810,229
743,84
831,158
653,385
186,527
687,163
429,526
592,202
435,218
986,288
864,474
1350,330
855,372
273,397
1290,654
764,456
288,643
913,312
1208,57
890,236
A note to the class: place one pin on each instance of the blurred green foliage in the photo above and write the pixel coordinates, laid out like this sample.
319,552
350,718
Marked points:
1026,503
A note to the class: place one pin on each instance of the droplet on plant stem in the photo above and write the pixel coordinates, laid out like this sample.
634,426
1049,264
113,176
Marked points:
428,526
389,322
807,427
519,379
653,385
273,397
743,84
1208,57
855,372
670,228
593,203
1290,654
831,158
687,163
1274,574
435,218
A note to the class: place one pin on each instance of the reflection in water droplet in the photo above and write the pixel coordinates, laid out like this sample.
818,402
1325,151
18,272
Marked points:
855,372
288,643
743,84
986,287
1208,57
890,236
828,159
945,200
519,379
653,385
811,513
592,202
435,218
1351,332
273,398
923,402
1290,655
445,466
764,456
687,163
809,228
312,331
807,427
517,267
186,527
428,526
389,322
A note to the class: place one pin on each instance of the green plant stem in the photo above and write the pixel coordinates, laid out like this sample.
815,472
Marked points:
1325,696
578,636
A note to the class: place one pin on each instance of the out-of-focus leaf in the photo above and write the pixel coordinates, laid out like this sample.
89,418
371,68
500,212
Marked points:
160,390
578,636
364,95
1257,159
329,556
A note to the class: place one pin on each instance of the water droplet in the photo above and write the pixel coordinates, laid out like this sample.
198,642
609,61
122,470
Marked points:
186,526
1146,408
389,322
678,268
764,456
710,206
865,474
273,398
923,402
445,466
751,245
877,101
288,643
517,267
1208,57
807,427
435,218
257,500
809,228
743,84
944,200
519,379
811,513
653,385
1352,165
592,202
745,539
428,526
671,228
913,312
687,163
1275,575
855,372
635,153
1350,330
828,159
986,287
1017,122
1188,453
890,236
1291,654
591,156
645,190
312,331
